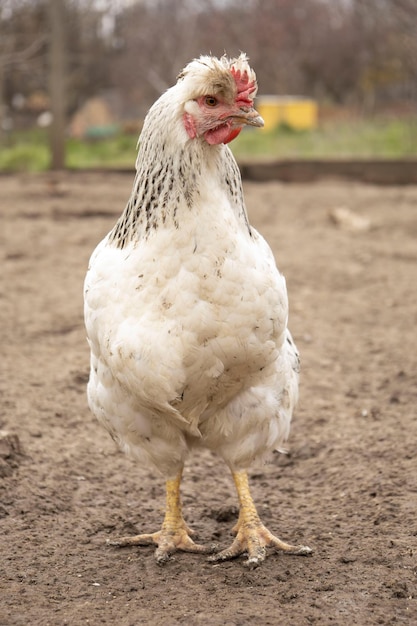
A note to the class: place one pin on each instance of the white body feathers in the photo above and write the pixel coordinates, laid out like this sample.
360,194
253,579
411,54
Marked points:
186,313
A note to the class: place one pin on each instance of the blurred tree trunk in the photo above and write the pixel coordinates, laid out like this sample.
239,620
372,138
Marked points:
2,106
57,67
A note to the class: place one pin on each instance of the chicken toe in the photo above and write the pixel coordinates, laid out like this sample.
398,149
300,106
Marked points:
174,535
168,540
252,537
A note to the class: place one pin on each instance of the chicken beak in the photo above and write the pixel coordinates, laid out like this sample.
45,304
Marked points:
249,116
245,115
252,118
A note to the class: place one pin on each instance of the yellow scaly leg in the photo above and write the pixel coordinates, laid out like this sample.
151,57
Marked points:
252,537
174,534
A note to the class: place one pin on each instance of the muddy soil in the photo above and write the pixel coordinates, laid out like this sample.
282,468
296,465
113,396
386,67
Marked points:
347,487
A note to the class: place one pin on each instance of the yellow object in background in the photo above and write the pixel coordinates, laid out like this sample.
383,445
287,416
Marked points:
296,112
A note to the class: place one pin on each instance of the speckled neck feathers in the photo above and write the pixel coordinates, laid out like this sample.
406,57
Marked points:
171,171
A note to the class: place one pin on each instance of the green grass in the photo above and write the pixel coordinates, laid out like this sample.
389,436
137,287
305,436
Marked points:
357,138
395,139
117,151
29,151
25,152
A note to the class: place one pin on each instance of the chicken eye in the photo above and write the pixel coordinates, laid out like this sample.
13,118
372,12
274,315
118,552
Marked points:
211,101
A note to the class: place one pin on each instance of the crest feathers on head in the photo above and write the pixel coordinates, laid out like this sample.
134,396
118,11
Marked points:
233,77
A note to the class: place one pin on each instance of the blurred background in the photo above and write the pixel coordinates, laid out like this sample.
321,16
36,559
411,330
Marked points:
337,78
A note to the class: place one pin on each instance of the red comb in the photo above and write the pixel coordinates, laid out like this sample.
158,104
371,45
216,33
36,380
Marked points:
244,86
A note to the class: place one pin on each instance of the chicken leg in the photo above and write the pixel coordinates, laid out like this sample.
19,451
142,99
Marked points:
174,534
252,537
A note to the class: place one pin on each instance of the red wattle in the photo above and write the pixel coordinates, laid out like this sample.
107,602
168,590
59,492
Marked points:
234,133
221,134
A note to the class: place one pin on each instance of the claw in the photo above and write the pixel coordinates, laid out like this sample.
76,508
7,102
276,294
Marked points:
252,537
174,535
168,541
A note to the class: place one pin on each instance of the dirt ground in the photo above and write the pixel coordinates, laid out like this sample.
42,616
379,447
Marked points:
347,488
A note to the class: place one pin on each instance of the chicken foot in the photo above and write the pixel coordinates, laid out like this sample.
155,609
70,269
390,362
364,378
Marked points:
174,535
252,537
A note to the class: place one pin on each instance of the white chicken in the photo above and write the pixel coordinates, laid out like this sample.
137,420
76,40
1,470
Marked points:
186,312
